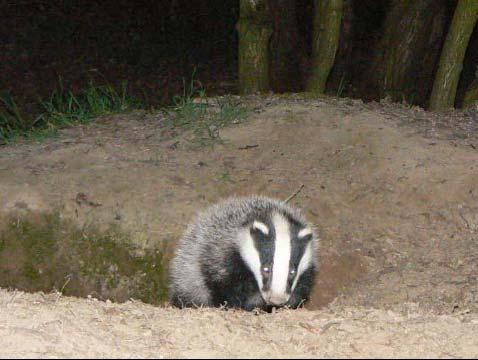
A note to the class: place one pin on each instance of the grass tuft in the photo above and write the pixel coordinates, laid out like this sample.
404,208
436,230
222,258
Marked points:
13,122
194,111
63,108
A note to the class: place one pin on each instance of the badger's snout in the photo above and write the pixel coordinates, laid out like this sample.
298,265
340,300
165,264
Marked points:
276,299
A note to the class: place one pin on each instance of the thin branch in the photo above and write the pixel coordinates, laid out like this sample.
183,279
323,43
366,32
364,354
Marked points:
294,194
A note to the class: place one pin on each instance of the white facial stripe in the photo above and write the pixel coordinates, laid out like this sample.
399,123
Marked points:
250,255
304,232
282,252
261,227
304,264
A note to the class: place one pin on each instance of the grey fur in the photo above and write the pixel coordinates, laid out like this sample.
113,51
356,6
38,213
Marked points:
211,237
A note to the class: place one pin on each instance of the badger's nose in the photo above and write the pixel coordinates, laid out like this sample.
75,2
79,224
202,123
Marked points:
278,299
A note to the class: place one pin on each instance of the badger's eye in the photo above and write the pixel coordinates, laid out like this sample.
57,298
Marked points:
266,271
292,272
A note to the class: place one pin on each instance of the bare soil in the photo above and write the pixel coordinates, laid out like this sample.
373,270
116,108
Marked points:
37,325
392,190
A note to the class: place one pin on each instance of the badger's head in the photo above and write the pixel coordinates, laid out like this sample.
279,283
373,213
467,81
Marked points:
278,250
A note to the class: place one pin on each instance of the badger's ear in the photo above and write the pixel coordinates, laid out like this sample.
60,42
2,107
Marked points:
260,227
305,234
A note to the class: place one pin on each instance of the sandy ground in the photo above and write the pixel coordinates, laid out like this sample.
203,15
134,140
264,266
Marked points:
392,190
53,326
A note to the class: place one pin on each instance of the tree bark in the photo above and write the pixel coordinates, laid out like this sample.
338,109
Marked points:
254,28
285,47
471,94
326,33
411,29
453,53
340,75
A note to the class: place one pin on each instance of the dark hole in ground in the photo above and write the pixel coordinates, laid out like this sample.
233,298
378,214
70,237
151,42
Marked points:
337,273
44,252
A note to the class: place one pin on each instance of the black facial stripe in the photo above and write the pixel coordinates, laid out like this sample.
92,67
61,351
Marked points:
237,288
265,245
297,251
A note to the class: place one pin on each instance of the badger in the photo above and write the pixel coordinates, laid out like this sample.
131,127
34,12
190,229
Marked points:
245,252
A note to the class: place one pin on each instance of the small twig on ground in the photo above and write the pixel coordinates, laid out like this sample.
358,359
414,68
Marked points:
328,325
294,194
247,147
68,278
59,294
467,223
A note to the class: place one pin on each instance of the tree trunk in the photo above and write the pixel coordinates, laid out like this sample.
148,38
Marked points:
453,53
255,29
285,50
340,75
471,95
411,29
326,33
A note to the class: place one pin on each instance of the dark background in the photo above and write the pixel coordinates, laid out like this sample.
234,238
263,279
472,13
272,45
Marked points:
156,44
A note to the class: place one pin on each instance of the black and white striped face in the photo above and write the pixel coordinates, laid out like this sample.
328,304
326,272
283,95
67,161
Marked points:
278,251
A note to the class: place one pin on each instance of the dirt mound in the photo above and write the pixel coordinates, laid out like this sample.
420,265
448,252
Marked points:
393,191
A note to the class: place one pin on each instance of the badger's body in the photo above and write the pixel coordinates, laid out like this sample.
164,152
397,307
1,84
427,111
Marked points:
252,252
